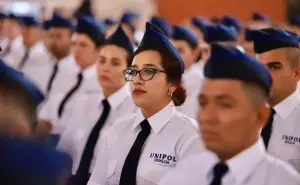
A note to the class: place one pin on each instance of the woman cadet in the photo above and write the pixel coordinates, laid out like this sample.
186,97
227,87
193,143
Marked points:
140,149
85,128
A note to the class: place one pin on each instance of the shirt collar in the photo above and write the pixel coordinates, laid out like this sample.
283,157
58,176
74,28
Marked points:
118,97
158,120
241,165
89,72
285,107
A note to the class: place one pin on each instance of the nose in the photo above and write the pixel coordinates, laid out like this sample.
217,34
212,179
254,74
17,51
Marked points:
138,80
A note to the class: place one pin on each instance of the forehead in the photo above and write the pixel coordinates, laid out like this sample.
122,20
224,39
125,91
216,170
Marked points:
216,87
81,37
59,30
273,55
147,57
179,43
112,51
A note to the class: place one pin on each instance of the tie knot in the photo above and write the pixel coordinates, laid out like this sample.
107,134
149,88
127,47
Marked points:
145,125
273,111
79,76
105,103
220,169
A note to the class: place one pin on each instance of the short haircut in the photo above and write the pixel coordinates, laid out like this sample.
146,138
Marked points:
293,56
256,94
16,103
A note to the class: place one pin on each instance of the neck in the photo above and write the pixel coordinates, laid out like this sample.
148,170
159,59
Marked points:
273,101
151,110
107,92
59,57
30,45
230,154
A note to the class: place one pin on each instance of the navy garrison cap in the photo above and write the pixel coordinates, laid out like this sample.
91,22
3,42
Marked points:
273,38
162,24
94,30
59,21
120,39
220,33
25,162
12,16
260,17
232,21
182,33
228,62
2,15
248,36
155,39
30,21
34,92
200,23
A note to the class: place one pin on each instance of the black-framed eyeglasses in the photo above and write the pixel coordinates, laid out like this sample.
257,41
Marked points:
145,74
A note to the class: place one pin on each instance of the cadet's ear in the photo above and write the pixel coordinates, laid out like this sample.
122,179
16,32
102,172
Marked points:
263,115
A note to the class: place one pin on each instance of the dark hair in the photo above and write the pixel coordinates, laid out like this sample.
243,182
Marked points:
16,96
174,75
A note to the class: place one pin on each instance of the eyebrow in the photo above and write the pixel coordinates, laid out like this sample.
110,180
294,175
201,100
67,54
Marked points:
145,65
274,63
218,97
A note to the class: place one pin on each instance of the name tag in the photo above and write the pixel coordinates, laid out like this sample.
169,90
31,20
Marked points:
163,159
291,140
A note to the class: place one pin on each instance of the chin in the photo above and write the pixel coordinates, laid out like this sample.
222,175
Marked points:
139,101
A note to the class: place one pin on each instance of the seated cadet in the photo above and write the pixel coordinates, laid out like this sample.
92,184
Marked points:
233,109
86,43
36,62
141,148
279,51
14,49
64,69
128,21
111,26
186,42
3,38
24,161
295,24
248,43
94,116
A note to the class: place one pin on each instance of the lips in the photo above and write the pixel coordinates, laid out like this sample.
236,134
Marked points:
103,77
138,91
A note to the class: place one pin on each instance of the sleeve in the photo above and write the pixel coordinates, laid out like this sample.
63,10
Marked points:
99,176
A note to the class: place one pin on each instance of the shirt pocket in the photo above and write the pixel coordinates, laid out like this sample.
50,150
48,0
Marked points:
111,172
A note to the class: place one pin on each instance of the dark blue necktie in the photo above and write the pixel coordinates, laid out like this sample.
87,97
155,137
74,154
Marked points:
69,95
219,170
82,175
23,60
128,175
267,130
52,77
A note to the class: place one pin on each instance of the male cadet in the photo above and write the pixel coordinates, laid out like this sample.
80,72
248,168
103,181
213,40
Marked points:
279,51
3,38
14,48
86,43
45,34
36,62
233,110
186,42
129,23
229,20
64,69
24,161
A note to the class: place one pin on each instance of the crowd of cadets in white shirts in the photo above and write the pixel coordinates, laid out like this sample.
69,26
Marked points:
125,109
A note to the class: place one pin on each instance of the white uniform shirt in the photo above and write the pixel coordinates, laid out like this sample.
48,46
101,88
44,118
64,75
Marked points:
89,86
173,137
38,66
252,166
86,115
285,138
16,53
192,82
